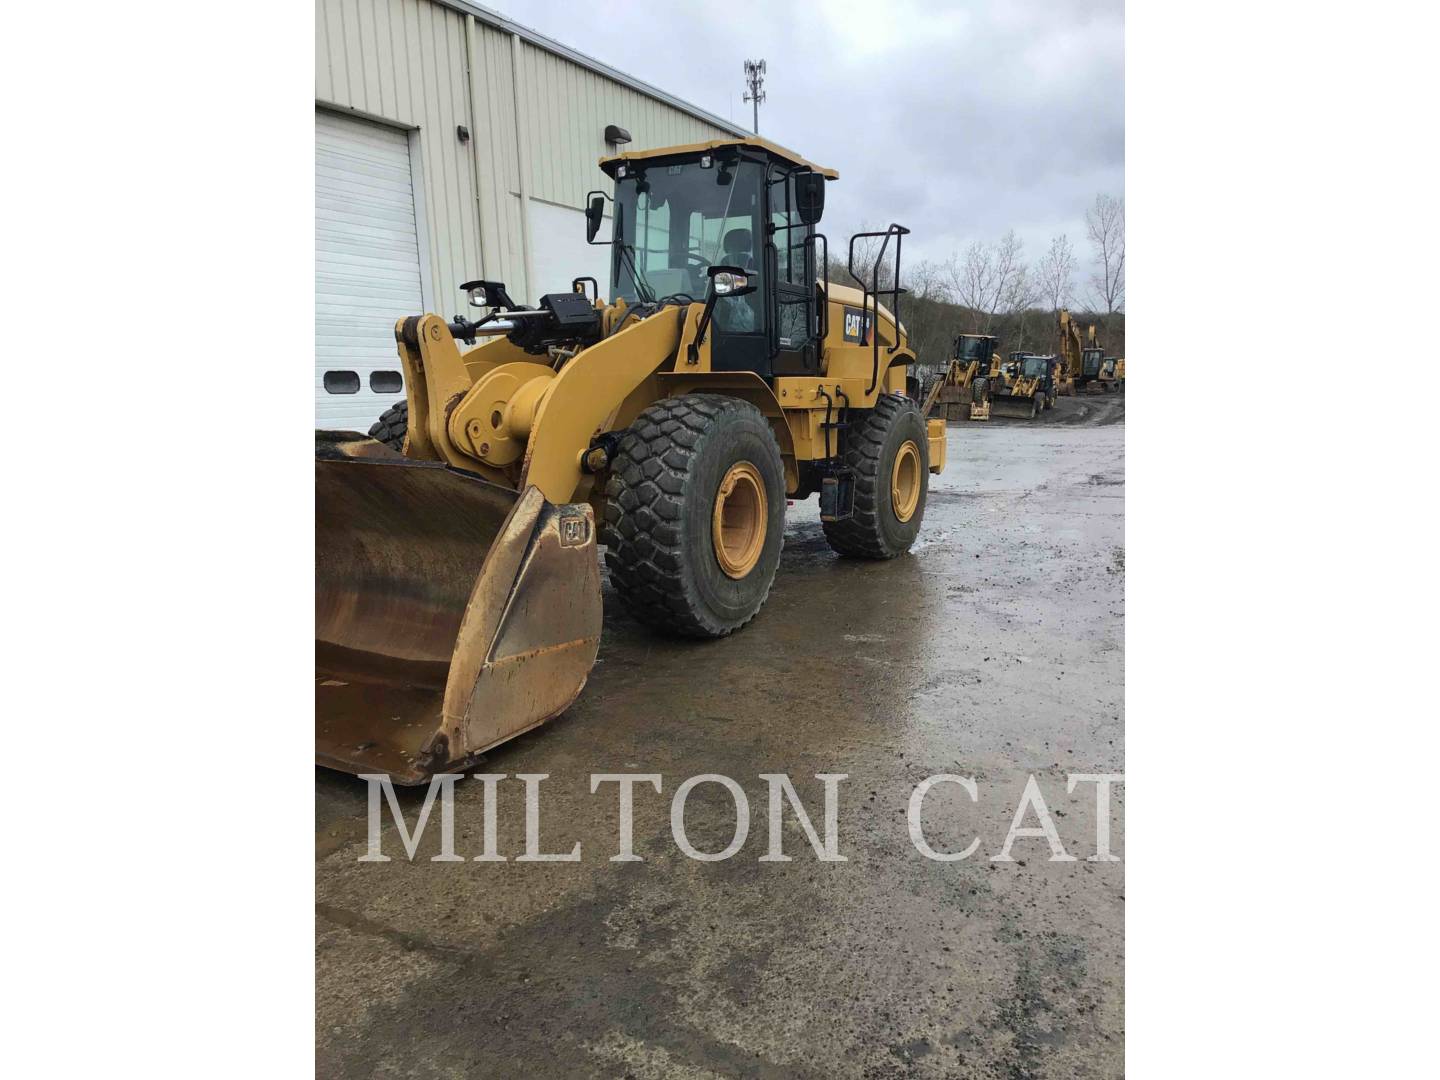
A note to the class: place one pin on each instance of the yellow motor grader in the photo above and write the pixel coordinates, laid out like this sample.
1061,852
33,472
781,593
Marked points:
458,597
964,390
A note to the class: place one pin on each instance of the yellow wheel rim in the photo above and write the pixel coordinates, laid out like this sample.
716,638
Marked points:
738,522
905,481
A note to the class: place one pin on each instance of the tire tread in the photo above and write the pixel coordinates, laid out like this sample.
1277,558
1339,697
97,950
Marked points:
642,528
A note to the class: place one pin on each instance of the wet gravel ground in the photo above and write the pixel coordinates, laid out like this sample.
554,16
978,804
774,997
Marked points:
993,651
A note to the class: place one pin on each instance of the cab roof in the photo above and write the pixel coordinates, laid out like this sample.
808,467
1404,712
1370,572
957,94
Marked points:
752,141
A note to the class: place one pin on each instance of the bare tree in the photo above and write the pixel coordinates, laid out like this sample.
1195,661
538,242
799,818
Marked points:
1055,272
1105,224
926,280
989,279
867,250
973,282
1024,292
927,317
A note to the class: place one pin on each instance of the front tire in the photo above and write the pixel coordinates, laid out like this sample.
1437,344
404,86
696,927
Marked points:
889,453
695,515
390,428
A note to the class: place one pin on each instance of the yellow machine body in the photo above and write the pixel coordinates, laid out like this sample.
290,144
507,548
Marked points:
964,389
458,590
1087,369
1022,393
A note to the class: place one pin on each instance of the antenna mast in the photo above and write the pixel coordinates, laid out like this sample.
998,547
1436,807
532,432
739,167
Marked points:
755,80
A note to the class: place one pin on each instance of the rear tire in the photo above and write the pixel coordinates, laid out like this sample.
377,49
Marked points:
695,515
875,530
390,428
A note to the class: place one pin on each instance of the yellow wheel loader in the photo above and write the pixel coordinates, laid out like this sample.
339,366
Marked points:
964,390
1028,387
458,598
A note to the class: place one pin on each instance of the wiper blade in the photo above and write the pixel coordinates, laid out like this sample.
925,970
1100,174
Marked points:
642,286
627,252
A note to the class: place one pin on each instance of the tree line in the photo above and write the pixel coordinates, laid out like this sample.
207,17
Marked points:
994,289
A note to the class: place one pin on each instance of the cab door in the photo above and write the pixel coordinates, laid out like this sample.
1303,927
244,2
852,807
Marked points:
794,310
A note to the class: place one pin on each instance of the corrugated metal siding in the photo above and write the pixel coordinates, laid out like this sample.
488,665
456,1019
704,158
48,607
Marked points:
569,106
404,61
499,158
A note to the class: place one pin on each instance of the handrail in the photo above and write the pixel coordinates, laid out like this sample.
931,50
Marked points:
873,289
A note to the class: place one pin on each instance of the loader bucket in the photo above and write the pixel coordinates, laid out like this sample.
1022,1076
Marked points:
451,614
1012,405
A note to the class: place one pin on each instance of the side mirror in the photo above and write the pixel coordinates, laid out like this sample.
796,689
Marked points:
810,196
594,216
729,281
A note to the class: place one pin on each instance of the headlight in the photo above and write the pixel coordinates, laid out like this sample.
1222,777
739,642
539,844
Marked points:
727,283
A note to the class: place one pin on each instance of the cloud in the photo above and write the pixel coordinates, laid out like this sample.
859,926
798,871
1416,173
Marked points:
959,120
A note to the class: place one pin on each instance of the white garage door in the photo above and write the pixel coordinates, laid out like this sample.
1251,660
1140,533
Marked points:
367,268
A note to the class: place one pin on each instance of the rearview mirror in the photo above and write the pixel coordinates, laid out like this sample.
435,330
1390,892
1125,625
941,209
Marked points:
594,216
810,196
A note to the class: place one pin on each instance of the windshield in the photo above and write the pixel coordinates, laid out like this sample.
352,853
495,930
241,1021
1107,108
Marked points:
1092,359
1035,366
972,348
674,221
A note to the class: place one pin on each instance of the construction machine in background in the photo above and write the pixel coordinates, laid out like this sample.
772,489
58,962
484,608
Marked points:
963,392
1086,367
458,597
1110,378
1028,388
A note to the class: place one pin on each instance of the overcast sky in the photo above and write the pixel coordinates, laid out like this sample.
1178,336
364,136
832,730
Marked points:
957,119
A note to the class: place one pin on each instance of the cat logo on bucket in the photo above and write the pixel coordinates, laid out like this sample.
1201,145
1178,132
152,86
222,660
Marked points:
574,530
857,325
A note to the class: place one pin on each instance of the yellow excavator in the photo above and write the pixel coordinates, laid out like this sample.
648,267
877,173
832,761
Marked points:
1087,369
964,389
458,598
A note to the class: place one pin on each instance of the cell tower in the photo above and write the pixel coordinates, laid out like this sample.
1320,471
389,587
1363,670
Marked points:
755,80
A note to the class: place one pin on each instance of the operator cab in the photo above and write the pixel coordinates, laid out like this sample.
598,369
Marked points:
1090,362
1035,367
731,223
979,347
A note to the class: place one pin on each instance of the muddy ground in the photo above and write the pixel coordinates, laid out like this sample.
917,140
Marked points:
993,651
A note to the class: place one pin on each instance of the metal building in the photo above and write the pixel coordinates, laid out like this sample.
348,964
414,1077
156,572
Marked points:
450,144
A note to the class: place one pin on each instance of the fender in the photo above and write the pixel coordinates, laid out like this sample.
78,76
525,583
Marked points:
747,386
588,390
